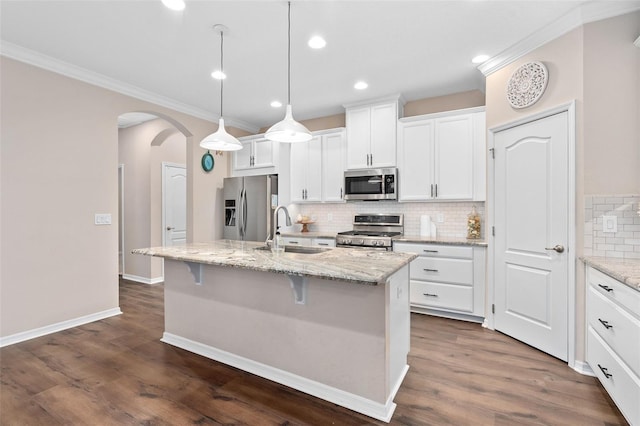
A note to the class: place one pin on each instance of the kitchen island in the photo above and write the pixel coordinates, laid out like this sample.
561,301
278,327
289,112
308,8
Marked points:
333,323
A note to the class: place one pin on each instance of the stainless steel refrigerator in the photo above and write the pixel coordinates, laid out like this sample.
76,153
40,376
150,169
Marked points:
249,203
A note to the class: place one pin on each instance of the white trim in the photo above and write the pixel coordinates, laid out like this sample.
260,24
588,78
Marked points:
49,63
584,368
471,110
59,326
121,223
447,314
143,280
383,100
589,12
570,108
345,399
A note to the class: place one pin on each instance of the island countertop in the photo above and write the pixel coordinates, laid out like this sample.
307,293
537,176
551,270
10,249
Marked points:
360,266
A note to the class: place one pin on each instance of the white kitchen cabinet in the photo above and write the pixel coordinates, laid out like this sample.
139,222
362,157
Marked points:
442,156
297,241
613,340
372,133
309,241
257,153
333,161
446,280
306,171
323,242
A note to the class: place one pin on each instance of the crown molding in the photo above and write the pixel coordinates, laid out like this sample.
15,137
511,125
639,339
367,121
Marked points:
589,12
39,60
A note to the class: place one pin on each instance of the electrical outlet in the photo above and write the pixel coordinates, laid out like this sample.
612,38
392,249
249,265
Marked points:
609,223
329,217
439,217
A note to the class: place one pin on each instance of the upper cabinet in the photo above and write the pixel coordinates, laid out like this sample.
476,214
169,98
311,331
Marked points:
443,156
257,156
371,133
317,168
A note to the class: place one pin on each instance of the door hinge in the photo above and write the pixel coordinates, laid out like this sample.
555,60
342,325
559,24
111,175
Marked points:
493,308
493,153
493,231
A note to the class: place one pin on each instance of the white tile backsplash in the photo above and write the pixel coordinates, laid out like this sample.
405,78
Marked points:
624,243
334,218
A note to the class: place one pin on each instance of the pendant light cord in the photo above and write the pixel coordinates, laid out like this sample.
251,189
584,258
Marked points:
289,58
221,70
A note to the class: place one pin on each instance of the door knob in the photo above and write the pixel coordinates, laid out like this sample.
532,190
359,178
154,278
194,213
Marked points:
559,248
169,228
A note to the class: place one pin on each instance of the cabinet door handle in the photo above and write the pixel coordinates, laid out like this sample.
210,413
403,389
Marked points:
605,287
430,251
430,294
605,371
605,323
431,190
341,193
323,244
430,270
372,159
436,185
293,242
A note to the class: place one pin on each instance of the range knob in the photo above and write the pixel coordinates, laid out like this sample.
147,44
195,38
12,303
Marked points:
347,241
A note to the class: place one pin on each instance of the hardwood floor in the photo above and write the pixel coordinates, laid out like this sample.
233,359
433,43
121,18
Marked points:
117,372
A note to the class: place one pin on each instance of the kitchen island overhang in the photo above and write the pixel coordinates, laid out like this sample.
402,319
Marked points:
308,321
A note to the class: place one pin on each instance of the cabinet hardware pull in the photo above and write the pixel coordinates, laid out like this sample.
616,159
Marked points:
323,244
436,190
605,323
293,242
431,190
605,371
430,270
606,287
430,251
430,295
341,193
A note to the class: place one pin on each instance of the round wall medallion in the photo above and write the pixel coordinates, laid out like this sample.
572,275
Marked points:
527,84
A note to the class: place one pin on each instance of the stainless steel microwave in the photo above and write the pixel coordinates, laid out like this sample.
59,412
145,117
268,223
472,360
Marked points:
371,184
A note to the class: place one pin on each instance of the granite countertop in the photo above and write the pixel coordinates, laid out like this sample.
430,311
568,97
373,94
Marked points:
309,234
370,267
626,271
439,240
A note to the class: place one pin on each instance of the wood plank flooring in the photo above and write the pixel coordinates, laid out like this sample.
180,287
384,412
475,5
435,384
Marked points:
117,372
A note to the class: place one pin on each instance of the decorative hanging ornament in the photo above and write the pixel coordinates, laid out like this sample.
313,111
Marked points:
527,84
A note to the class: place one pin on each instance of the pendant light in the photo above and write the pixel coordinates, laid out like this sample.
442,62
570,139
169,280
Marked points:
221,140
288,130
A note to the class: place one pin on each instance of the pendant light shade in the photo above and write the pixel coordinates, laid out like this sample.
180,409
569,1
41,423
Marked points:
288,130
221,140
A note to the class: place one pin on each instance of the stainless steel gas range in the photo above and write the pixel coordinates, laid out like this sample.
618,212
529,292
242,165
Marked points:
372,231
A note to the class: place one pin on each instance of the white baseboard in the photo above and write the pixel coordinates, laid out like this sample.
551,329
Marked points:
345,399
143,280
54,328
447,314
583,368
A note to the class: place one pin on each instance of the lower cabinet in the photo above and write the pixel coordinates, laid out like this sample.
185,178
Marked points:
613,340
447,280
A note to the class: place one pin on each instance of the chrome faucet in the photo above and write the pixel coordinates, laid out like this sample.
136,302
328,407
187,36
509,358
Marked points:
275,221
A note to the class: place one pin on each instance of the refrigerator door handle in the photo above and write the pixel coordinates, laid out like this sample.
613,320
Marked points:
244,214
240,215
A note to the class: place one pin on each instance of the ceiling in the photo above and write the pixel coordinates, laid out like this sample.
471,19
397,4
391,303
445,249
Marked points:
417,48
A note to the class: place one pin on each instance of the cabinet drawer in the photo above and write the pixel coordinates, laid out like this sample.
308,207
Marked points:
622,385
455,271
434,250
323,242
441,296
616,327
293,241
614,290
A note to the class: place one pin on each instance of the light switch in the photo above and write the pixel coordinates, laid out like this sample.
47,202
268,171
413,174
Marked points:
103,219
609,223
439,217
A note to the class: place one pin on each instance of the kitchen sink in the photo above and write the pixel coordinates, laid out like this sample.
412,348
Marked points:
297,249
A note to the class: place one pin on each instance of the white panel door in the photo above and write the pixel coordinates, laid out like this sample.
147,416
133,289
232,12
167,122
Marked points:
299,156
314,170
384,125
531,218
415,151
333,167
174,200
358,137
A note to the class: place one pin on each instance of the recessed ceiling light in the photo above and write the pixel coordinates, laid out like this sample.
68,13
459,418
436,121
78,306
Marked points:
317,42
276,104
218,75
361,85
480,59
174,4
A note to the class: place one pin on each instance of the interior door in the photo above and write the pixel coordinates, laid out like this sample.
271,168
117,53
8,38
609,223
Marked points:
174,187
531,233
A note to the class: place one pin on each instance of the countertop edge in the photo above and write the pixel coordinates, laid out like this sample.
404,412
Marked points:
615,269
416,239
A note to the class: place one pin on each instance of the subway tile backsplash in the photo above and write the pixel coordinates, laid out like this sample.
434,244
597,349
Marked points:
334,218
625,242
